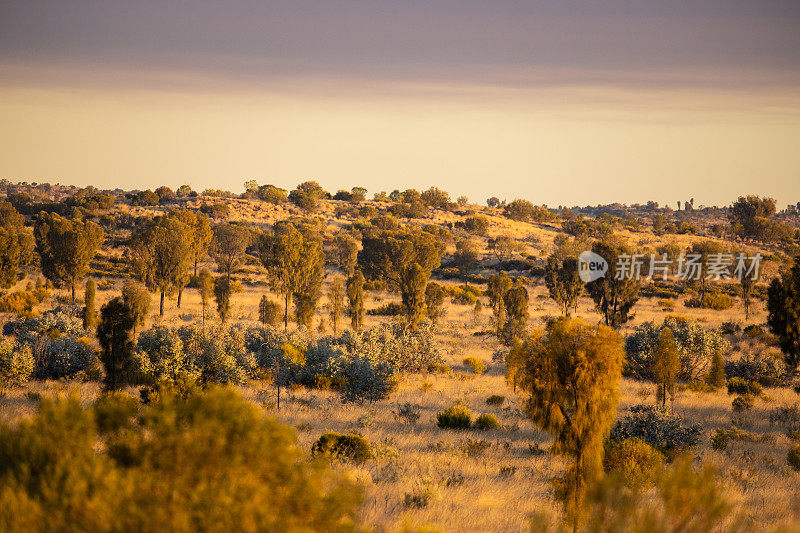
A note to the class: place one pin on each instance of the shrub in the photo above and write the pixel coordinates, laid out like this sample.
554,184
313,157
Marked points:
744,402
487,421
351,446
18,302
730,327
495,399
16,363
766,368
368,380
718,301
476,365
114,410
657,427
720,439
637,462
793,457
741,386
666,305
409,413
696,346
454,417
189,465
269,312
754,331
387,309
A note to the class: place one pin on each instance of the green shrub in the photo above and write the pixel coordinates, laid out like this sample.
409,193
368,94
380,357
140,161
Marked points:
476,365
754,331
455,417
766,368
351,446
741,386
495,399
657,427
638,463
794,456
666,305
114,411
487,421
745,402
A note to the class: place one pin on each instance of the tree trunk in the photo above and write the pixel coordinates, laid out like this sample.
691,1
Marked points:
73,292
161,305
286,312
180,294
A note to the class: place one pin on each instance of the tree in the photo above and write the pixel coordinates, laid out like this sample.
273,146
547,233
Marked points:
434,298
205,286
497,287
748,214
613,297
228,247
346,253
666,363
466,256
160,255
355,295
404,260
516,305
89,309
16,245
295,262
137,298
65,248
336,302
704,252
521,210
503,247
572,374
563,282
201,233
222,295
271,194
783,305
435,197
114,335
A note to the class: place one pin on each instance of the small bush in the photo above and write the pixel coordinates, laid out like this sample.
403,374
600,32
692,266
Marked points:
766,368
351,446
741,386
718,301
657,427
730,327
476,365
745,402
387,309
666,305
637,462
269,312
720,439
18,302
754,331
454,417
409,413
495,399
487,421
794,456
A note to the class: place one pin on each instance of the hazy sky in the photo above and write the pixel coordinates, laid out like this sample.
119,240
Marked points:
563,102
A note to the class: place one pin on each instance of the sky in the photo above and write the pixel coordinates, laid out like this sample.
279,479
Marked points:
571,102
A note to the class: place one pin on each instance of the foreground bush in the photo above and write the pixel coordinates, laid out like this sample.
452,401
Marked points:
209,463
637,463
741,386
657,427
351,446
454,417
